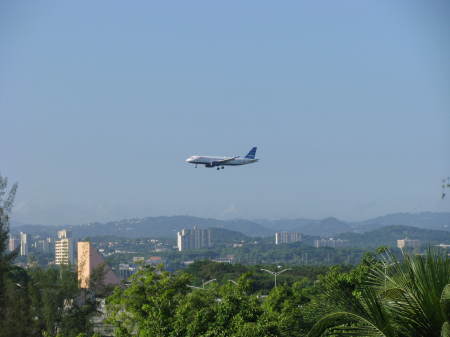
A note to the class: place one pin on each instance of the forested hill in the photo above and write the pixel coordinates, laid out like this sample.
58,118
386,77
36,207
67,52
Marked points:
428,220
162,227
324,227
332,226
388,236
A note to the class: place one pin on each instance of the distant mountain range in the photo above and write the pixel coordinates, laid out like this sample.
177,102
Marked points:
163,227
333,226
428,220
167,226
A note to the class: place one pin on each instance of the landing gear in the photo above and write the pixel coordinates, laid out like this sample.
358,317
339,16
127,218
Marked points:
223,167
195,165
218,168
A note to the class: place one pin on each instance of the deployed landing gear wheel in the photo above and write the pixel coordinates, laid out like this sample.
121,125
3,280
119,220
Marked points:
218,168
223,167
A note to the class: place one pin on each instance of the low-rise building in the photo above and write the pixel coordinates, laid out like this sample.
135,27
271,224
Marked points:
138,259
126,270
154,260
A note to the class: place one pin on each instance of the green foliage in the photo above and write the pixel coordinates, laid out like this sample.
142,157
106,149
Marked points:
397,299
380,297
6,202
149,304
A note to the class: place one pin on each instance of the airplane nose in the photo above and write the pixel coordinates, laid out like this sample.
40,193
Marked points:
189,159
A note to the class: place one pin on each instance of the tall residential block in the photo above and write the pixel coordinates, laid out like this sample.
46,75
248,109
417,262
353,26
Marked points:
42,246
193,239
64,248
88,260
13,243
287,237
408,243
24,243
333,243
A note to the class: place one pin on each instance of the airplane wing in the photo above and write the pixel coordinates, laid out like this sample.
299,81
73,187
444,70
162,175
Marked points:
220,162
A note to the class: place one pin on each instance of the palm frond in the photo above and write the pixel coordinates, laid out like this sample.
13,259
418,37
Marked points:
445,301
445,331
411,290
345,324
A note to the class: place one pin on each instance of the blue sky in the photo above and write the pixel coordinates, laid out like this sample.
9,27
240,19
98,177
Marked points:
101,102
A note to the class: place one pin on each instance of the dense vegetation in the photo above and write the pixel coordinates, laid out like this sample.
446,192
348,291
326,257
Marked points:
380,297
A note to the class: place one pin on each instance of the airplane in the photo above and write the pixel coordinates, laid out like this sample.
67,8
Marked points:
221,162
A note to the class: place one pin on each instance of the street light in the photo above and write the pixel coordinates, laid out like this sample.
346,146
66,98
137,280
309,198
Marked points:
386,265
275,274
203,284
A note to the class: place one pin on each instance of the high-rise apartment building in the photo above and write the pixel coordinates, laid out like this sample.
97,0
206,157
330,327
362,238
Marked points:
193,239
88,260
23,244
64,248
333,243
408,243
13,243
287,237
42,246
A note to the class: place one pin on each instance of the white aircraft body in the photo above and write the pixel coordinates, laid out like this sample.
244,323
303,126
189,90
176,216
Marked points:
221,162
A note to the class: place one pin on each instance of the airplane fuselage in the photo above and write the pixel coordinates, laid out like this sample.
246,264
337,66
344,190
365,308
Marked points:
220,161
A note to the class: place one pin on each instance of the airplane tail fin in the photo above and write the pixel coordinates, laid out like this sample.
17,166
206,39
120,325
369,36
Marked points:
252,153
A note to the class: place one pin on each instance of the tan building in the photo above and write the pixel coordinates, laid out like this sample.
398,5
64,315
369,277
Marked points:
13,243
64,248
88,260
407,243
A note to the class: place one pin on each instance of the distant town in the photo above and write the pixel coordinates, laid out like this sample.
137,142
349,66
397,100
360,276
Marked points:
125,255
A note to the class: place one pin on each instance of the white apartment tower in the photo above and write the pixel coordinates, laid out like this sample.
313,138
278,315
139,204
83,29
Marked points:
287,237
64,248
193,239
23,244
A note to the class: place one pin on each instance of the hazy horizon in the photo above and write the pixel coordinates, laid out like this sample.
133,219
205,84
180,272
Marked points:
14,223
102,102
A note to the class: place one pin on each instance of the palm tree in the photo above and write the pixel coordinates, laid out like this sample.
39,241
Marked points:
408,299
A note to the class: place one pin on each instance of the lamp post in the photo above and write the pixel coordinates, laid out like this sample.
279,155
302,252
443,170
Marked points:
386,266
275,273
203,284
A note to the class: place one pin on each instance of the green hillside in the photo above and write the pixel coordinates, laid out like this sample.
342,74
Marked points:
388,236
